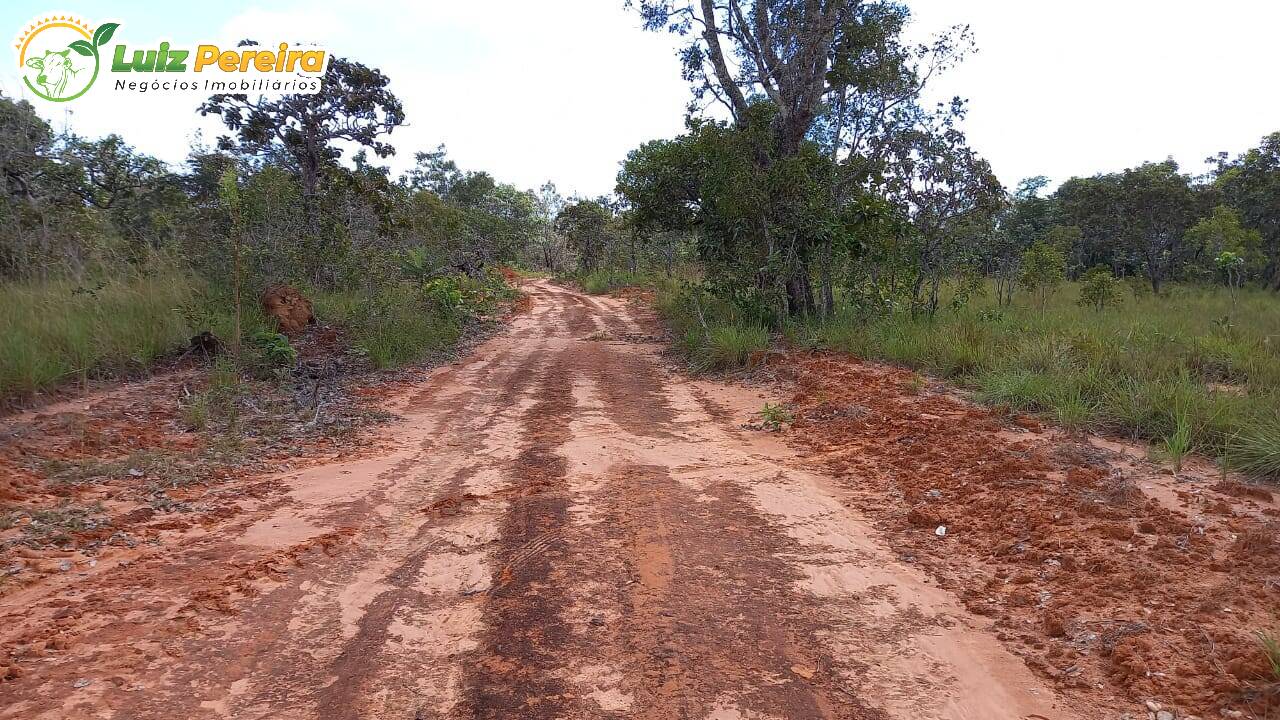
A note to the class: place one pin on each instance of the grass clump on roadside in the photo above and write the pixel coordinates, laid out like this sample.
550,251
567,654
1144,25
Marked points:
400,323
1270,645
1255,448
712,336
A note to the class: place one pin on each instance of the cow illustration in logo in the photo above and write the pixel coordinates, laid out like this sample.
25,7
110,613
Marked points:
60,57
56,69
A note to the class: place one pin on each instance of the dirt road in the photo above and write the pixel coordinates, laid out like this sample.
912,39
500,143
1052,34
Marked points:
559,527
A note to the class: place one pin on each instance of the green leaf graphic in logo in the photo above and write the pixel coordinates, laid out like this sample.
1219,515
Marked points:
103,34
58,69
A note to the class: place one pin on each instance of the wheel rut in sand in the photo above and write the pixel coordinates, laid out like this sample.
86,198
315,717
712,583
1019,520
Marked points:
514,671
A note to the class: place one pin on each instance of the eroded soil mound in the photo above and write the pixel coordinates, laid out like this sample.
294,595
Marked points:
1103,571
291,311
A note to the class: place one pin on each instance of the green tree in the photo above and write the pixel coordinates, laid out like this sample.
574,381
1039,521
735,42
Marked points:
1221,232
1099,288
136,191
945,187
777,66
44,224
585,225
1042,271
353,105
1251,183
1157,208
1231,264
1093,205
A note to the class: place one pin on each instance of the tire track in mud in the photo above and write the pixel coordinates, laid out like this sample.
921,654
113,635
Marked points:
710,620
462,422
705,618
359,663
513,673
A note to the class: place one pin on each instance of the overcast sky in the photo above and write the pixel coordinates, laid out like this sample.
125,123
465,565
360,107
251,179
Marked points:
562,89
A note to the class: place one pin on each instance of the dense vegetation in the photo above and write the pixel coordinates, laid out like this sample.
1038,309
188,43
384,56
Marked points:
836,210
111,260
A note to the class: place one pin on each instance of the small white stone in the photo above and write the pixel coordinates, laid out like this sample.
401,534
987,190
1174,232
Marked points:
941,531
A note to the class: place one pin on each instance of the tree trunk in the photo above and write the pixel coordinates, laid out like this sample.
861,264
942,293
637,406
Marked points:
799,293
827,283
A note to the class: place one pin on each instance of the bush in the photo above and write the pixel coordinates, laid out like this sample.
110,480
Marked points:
270,352
1099,289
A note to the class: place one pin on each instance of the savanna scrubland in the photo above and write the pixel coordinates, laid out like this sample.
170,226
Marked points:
1057,406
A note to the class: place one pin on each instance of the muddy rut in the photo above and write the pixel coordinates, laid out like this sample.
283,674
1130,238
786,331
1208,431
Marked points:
561,526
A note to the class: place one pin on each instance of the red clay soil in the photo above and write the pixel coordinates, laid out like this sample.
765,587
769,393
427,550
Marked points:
1104,572
94,478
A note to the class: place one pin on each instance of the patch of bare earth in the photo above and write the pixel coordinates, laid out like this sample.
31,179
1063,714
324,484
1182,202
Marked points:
1107,575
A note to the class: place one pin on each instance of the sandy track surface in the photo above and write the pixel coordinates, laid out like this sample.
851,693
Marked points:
559,527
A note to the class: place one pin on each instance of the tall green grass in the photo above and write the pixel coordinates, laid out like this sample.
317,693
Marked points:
713,336
61,331
393,325
601,282
398,323
1190,371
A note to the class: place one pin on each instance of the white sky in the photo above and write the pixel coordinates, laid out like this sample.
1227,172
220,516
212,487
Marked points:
562,89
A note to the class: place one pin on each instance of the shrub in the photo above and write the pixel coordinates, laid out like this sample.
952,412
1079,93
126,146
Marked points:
272,350
773,417
1099,289
1042,271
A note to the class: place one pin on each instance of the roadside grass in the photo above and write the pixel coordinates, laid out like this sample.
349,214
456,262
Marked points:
62,331
397,324
1271,649
1255,449
602,282
391,326
711,335
1188,371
